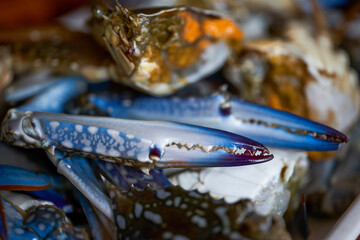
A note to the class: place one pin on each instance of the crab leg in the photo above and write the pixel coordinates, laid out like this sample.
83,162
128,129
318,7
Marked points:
124,177
100,228
84,181
143,144
263,124
56,94
15,179
29,86
37,184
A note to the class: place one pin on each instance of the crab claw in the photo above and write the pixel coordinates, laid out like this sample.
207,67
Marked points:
285,129
180,145
266,125
143,144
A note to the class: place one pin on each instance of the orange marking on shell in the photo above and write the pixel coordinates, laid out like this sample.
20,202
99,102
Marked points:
320,156
192,29
275,102
222,28
204,43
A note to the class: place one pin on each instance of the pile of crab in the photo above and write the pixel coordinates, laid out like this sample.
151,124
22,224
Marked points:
123,128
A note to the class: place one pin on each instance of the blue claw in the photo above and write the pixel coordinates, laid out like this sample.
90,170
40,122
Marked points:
289,130
143,144
266,125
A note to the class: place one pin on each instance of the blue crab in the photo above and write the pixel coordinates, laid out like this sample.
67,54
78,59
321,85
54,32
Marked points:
154,51
68,138
131,153
129,142
140,146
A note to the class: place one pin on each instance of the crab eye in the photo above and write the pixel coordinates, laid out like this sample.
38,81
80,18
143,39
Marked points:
97,12
31,128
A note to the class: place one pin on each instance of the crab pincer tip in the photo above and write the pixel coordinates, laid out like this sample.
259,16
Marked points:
212,148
